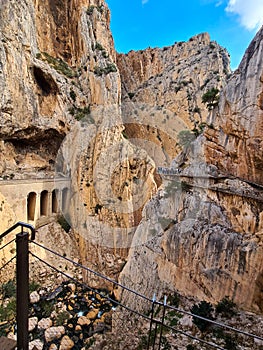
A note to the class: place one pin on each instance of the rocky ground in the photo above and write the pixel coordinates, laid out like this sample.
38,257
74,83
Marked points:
63,318
72,316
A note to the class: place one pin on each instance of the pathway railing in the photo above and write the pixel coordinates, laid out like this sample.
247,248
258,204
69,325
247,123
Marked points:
22,280
157,310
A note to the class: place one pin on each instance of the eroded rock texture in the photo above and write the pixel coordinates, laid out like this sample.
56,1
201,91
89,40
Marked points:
49,52
202,234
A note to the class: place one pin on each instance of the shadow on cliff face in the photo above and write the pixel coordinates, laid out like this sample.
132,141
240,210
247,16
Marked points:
42,143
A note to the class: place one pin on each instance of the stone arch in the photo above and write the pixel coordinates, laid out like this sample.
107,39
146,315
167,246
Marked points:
65,199
44,203
55,201
31,206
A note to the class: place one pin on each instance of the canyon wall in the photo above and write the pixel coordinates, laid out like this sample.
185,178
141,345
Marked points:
59,82
202,233
65,111
48,77
70,106
175,77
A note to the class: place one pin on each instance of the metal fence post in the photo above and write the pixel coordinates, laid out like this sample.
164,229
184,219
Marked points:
162,322
151,323
22,290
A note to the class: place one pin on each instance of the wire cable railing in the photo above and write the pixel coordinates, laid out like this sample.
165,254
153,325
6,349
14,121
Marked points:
7,244
105,278
118,303
151,301
7,263
11,259
156,318
223,325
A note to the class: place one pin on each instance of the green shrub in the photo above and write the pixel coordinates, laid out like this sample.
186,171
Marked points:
80,113
64,223
62,317
100,8
8,312
9,289
226,307
199,129
110,68
33,285
90,10
197,110
99,47
58,64
211,98
173,317
104,54
173,299
47,307
203,309
98,70
212,46
72,95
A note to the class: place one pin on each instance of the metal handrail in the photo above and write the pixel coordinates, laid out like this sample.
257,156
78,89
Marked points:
22,225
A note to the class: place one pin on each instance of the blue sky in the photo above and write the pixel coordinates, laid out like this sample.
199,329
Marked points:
137,24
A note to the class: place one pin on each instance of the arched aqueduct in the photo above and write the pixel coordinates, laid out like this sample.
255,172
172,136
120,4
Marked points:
37,201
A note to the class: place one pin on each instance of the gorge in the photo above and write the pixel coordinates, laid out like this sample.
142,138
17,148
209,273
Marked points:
72,107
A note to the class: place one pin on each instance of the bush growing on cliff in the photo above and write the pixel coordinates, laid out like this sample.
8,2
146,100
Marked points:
72,95
9,289
226,307
64,223
199,128
80,113
90,9
110,68
58,64
203,309
211,98
98,46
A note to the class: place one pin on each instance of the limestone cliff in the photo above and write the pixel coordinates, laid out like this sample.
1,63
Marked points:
235,144
49,76
70,105
175,77
202,233
58,65
59,81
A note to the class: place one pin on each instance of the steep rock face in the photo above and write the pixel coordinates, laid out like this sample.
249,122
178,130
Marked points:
175,77
202,234
106,203
57,63
48,55
235,145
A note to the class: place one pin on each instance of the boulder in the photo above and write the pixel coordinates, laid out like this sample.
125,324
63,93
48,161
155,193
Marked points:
54,333
66,343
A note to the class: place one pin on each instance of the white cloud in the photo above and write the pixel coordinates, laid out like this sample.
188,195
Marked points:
250,12
144,2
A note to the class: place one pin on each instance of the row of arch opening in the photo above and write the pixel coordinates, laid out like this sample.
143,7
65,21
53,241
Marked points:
47,203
